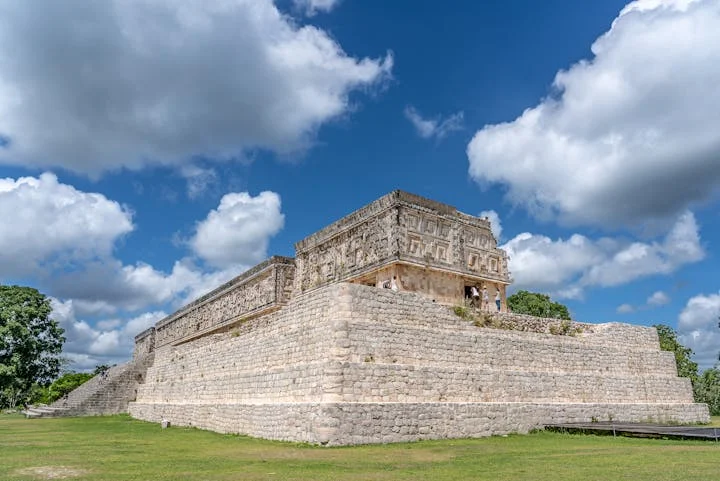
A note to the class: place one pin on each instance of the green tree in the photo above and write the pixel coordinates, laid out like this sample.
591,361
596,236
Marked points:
101,369
707,390
683,355
66,383
30,343
535,304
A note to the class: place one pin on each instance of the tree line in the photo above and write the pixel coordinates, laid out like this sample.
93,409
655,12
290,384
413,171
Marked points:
30,350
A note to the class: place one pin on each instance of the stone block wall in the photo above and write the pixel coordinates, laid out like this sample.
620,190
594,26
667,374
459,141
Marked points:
347,364
279,357
440,286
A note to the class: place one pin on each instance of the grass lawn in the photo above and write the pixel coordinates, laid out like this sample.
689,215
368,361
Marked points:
120,448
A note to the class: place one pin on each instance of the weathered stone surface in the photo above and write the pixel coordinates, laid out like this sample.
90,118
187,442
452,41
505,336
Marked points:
366,423
348,364
430,247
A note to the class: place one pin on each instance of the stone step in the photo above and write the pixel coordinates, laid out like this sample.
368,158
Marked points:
29,413
105,394
42,413
45,409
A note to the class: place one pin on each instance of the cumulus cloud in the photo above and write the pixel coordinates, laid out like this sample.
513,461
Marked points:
540,263
658,298
127,83
567,266
437,128
64,239
639,259
625,308
495,224
628,136
48,222
231,239
105,288
107,342
238,231
122,287
698,328
311,7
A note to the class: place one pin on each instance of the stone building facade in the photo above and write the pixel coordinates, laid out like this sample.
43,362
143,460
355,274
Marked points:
422,245
428,247
310,349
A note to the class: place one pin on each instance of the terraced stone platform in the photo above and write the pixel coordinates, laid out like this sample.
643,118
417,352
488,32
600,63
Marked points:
348,364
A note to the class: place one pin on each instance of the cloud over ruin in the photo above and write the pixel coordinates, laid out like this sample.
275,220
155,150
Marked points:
628,136
132,83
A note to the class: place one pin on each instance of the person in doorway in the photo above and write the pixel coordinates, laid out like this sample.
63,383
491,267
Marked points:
394,284
474,297
497,298
485,299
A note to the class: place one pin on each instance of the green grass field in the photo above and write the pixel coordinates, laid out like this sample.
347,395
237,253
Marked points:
120,448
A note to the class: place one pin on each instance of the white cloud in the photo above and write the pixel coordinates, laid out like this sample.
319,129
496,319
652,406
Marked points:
565,267
627,137
108,342
64,239
311,7
625,308
540,263
199,179
649,5
109,287
231,239
698,328
127,83
658,298
436,127
47,222
238,231
638,259
495,224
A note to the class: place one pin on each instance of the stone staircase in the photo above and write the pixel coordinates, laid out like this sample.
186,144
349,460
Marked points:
107,393
42,411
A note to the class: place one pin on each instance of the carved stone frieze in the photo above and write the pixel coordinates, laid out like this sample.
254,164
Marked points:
365,246
347,252
249,293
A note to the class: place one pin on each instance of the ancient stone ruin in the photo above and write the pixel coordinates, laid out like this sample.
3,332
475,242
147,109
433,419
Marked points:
315,348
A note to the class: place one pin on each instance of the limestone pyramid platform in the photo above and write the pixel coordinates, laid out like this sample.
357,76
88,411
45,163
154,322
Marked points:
351,364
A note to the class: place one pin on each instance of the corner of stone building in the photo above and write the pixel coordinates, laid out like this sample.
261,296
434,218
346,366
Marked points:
327,425
339,317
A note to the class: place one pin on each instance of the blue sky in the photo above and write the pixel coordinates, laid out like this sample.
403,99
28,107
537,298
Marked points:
152,150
